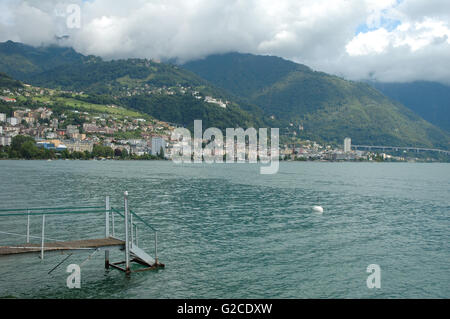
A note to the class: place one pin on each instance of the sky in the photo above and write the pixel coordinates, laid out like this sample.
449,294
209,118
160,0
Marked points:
382,40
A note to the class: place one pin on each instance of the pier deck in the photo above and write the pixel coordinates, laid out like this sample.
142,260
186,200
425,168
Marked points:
62,246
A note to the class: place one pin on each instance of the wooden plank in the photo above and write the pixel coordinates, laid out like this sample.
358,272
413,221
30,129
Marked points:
57,246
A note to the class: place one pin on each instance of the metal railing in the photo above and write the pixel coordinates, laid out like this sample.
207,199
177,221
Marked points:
132,227
132,222
45,212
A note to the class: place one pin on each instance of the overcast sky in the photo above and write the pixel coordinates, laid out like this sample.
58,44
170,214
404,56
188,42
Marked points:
385,40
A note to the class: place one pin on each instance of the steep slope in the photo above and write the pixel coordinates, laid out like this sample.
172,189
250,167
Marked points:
6,82
327,107
164,91
430,100
243,74
21,61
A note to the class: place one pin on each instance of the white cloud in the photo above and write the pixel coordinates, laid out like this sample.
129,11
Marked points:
400,41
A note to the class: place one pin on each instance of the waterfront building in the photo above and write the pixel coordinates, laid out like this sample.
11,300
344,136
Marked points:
347,145
157,144
79,146
5,140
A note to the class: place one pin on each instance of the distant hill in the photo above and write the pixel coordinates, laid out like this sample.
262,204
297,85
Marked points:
6,82
261,91
430,100
328,108
20,60
128,82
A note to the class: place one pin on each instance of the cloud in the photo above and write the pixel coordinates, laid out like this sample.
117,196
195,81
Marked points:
387,40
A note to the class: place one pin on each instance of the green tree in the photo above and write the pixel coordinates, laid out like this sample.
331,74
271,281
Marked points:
125,154
161,153
102,151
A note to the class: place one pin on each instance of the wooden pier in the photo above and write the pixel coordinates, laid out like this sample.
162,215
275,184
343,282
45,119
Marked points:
63,246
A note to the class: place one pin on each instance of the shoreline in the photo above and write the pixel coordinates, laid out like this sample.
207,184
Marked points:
168,160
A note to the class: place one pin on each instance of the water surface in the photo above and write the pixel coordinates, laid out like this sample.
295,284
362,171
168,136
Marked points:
228,232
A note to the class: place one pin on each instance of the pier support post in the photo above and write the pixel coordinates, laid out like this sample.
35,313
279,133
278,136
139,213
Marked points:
107,235
156,248
106,259
127,243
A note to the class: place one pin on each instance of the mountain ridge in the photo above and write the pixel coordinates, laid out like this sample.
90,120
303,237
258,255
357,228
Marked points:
327,107
431,100
259,91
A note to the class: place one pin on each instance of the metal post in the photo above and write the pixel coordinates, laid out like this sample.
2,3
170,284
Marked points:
43,238
156,248
113,224
136,234
127,244
107,217
28,228
107,231
131,229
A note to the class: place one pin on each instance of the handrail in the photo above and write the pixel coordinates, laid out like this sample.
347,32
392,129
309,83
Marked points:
48,208
117,211
143,221
110,212
54,213
137,216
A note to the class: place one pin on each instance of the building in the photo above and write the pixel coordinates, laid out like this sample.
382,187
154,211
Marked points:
5,140
7,99
2,117
13,121
46,114
347,145
72,129
211,100
51,135
157,144
20,113
79,146
29,120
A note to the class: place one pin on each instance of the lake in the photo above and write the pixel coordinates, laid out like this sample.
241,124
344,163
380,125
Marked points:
225,231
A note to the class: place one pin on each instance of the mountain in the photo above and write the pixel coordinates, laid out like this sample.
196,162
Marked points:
430,100
20,60
230,90
6,82
163,91
326,107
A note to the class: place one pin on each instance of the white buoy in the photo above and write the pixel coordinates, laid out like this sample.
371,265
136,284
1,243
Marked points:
318,209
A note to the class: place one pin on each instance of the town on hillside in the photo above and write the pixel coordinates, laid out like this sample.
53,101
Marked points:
74,131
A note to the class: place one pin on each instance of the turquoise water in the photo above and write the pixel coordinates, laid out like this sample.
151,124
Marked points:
228,232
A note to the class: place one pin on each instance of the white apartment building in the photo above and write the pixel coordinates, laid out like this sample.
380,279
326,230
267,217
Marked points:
347,145
157,144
